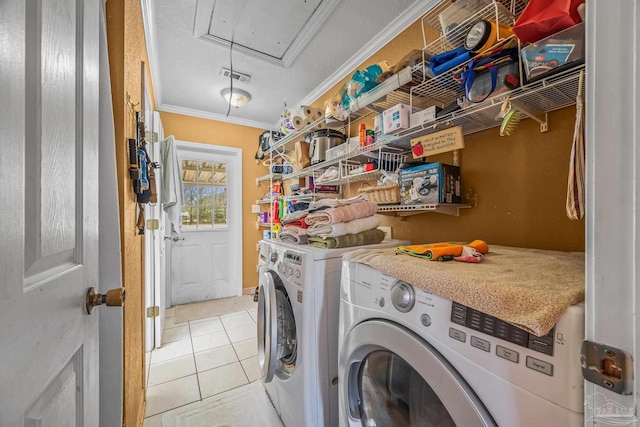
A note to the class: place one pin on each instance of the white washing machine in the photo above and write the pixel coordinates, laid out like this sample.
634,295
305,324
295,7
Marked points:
298,306
411,358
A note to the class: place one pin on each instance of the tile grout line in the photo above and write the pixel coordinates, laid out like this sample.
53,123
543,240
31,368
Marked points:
195,363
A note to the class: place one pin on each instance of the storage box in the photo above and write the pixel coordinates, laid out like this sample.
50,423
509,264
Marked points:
483,82
429,184
396,118
342,149
423,116
555,53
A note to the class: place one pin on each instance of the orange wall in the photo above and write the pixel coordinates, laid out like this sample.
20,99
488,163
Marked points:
126,52
187,128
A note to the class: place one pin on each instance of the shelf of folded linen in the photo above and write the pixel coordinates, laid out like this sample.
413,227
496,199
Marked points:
343,223
409,210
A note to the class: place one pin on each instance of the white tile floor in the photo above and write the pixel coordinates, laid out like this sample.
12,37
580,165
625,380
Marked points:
199,359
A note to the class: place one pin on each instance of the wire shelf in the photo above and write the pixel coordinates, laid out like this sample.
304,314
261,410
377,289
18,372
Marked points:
539,97
349,170
269,177
408,210
495,11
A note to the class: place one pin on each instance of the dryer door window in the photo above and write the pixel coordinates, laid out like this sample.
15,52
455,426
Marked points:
393,393
277,343
392,377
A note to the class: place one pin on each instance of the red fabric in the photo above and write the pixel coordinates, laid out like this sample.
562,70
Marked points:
541,18
299,223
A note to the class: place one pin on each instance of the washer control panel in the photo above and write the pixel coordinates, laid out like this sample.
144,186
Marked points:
495,327
403,296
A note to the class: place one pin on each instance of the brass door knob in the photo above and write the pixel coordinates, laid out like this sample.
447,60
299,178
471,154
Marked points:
113,298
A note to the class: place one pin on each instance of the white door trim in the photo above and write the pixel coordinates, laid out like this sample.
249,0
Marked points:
235,176
612,209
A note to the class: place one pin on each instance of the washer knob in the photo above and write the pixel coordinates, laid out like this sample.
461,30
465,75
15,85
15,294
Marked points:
403,297
274,257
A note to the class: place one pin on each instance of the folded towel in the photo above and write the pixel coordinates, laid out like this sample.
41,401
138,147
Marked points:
434,251
296,239
293,216
369,237
342,214
298,223
529,288
342,228
332,203
292,229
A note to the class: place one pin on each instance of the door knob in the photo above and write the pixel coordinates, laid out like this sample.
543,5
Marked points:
113,298
176,238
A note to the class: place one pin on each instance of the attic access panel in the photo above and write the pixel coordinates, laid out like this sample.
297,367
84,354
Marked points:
275,31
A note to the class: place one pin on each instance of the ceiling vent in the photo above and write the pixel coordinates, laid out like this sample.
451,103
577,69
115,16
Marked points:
244,78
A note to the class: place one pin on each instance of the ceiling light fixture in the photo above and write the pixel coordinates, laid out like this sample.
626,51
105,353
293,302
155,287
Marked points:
238,98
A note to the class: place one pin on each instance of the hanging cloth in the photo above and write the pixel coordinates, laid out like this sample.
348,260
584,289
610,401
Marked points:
171,190
575,184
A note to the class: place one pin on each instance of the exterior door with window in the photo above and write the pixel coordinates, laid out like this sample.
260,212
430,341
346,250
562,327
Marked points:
206,255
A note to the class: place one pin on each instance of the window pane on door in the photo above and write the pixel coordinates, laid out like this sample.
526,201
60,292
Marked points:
220,173
189,215
205,172
205,194
204,216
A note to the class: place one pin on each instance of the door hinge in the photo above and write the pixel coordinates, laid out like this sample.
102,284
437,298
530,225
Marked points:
607,366
153,311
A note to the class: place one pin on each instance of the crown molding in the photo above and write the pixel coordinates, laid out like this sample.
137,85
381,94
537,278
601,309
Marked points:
213,116
147,22
395,27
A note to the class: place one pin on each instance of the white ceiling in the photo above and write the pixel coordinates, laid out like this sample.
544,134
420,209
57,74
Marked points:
294,50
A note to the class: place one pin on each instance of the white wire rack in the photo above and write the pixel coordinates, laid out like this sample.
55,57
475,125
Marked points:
352,171
443,88
495,11
537,98
408,210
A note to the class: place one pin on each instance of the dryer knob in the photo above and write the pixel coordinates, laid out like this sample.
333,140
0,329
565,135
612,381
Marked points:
403,297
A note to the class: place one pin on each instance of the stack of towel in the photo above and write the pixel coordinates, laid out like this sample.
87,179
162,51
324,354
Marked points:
347,224
294,228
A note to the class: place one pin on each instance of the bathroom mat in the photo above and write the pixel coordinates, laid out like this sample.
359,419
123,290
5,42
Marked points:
244,406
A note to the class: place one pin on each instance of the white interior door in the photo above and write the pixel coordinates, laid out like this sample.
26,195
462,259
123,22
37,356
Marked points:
49,58
206,256
613,214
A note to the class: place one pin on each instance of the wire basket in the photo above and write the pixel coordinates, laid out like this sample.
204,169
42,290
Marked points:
382,195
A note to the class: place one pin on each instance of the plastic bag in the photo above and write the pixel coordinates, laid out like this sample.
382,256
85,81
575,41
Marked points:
541,18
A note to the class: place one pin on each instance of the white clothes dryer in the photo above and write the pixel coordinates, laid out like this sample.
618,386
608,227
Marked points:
411,358
298,306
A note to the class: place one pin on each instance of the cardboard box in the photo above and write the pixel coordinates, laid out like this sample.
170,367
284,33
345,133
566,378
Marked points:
396,118
423,116
555,53
430,183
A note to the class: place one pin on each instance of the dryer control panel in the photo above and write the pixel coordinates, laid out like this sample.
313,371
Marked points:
474,319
